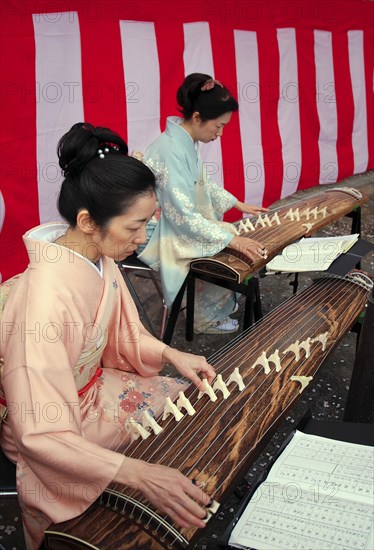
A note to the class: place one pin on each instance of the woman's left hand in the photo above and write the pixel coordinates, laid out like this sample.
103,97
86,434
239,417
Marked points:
250,209
189,366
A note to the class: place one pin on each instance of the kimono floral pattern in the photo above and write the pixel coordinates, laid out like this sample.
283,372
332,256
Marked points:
160,170
140,395
129,397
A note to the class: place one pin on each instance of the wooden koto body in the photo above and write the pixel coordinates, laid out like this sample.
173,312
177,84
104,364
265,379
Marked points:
276,360
279,228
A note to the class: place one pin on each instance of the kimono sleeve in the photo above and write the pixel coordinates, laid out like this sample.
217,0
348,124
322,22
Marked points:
222,200
43,405
130,346
177,199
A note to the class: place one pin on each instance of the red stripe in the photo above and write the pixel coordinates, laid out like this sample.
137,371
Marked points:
369,75
309,121
223,47
103,80
170,46
344,104
102,66
268,55
18,137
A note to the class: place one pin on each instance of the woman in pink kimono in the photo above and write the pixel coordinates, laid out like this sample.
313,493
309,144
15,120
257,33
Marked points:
78,363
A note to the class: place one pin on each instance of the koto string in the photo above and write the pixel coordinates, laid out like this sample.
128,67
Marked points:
217,354
246,454
312,197
352,320
285,310
316,323
289,231
249,428
171,421
212,359
230,359
288,303
172,430
278,374
347,324
311,202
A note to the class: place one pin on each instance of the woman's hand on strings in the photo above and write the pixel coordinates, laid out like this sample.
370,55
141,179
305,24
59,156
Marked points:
166,488
249,247
193,367
250,209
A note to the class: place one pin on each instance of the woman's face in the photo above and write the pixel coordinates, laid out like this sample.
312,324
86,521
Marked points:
210,130
125,232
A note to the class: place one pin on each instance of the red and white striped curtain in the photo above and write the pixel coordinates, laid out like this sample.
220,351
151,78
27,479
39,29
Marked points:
302,72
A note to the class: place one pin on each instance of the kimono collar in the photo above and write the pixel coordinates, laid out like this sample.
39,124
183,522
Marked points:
42,249
175,131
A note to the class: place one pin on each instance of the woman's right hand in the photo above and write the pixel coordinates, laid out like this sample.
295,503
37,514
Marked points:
249,247
166,488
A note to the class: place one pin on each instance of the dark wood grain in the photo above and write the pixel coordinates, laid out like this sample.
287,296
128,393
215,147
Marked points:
218,444
236,266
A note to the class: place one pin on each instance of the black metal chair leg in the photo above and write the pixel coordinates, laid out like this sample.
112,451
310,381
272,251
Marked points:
257,305
174,312
190,310
249,306
138,303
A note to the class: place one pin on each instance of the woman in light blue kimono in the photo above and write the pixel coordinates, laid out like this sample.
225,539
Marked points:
192,204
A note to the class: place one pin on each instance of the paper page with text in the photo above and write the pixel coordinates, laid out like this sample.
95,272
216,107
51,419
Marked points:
318,494
311,254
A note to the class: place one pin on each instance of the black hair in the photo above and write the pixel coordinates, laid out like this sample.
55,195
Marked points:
209,103
108,183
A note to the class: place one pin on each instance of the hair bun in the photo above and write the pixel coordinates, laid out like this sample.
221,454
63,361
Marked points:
203,94
80,144
188,92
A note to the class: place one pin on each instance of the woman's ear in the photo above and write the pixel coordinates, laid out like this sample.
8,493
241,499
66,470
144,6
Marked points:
85,222
196,118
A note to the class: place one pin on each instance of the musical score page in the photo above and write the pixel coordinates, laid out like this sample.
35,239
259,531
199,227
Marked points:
311,254
318,494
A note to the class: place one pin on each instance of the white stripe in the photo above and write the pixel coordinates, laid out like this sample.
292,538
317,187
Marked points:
198,58
357,70
288,111
59,102
142,83
246,54
2,211
326,106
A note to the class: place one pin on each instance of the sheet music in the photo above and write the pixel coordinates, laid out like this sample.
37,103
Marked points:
318,494
311,254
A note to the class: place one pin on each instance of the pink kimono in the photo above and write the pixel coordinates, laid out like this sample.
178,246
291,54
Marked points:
63,320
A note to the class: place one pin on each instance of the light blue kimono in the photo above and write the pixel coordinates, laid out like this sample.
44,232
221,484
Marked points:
189,227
